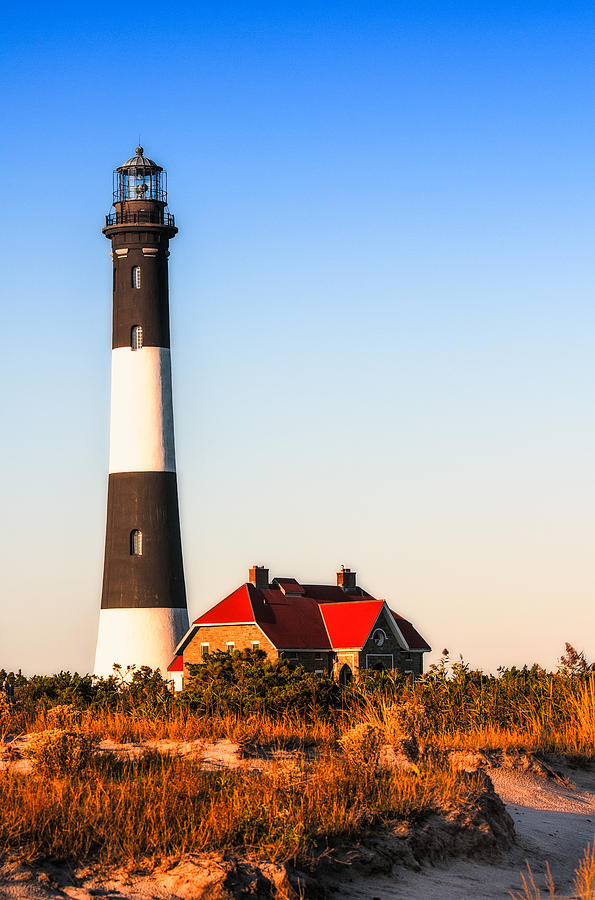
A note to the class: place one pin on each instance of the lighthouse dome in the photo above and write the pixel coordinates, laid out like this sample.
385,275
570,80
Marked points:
140,161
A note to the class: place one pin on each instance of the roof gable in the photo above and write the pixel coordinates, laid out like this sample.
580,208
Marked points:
234,608
349,623
177,664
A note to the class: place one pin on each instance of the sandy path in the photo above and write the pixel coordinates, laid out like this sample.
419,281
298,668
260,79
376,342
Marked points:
554,824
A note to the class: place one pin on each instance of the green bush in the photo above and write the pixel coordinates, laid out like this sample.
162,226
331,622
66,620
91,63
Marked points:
247,682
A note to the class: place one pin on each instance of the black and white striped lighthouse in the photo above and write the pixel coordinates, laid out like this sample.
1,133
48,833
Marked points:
143,605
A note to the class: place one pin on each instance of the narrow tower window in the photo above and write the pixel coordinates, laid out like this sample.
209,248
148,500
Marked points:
136,276
136,543
136,337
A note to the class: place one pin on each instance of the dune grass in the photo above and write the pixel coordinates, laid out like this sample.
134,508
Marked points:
123,811
547,714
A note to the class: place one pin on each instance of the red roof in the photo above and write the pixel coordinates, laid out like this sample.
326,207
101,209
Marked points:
349,623
313,617
177,664
235,608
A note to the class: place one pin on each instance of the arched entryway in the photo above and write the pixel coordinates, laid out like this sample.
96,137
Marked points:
345,675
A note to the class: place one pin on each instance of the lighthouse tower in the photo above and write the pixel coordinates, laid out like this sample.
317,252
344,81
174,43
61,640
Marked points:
143,605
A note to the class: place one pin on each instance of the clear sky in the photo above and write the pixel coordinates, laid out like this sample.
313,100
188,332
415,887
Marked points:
382,307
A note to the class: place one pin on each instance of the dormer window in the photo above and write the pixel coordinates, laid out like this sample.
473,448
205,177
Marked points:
136,337
136,542
136,277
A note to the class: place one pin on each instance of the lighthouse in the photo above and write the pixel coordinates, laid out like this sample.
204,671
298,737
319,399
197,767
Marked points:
143,605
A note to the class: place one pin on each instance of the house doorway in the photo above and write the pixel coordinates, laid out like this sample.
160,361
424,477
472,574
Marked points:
345,675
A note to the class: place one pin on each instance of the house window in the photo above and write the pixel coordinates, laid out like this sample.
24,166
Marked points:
136,337
204,650
230,646
136,542
136,277
379,637
255,645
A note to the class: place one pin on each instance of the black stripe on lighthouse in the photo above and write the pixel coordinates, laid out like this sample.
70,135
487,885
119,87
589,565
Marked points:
153,576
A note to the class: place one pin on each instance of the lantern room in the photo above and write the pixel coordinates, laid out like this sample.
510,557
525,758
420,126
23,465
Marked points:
140,193
140,179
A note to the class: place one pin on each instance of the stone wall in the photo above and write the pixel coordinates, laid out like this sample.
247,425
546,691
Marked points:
390,654
217,637
311,660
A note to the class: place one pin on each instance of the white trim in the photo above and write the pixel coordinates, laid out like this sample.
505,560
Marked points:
264,634
353,666
393,624
183,643
122,253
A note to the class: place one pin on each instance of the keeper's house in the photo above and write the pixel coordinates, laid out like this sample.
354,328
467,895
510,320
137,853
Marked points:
334,630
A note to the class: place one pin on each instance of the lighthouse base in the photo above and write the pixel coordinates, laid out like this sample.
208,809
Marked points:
138,637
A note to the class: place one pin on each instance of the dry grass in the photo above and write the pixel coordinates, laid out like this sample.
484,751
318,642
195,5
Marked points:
555,715
179,725
584,883
124,811
530,889
127,811
551,714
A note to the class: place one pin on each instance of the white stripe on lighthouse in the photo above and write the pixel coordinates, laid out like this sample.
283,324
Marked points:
141,420
146,636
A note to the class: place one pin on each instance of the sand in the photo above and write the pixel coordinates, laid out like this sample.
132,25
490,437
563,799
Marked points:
554,824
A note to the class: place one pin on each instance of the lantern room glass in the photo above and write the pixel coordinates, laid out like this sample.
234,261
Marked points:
140,183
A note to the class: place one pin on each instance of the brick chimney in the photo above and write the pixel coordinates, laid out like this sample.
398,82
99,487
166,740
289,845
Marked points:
259,577
346,580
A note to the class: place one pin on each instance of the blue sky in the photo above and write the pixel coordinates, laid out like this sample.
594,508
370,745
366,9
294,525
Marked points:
382,307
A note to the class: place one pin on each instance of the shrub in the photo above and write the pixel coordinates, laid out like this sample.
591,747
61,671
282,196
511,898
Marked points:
247,681
65,715
362,745
58,752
